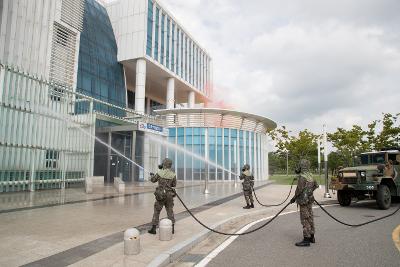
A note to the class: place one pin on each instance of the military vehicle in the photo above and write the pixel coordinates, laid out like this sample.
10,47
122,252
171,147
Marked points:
376,176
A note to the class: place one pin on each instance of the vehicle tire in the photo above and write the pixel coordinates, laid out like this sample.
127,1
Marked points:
344,198
383,197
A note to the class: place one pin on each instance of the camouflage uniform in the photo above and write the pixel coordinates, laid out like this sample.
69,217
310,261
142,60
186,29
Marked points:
166,179
247,184
305,198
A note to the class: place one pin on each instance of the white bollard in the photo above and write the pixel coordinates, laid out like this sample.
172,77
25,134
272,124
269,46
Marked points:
165,231
132,241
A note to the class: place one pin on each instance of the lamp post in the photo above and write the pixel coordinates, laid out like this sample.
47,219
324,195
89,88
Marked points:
326,195
206,191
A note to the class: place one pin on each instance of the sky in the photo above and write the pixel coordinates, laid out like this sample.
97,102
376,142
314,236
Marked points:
301,63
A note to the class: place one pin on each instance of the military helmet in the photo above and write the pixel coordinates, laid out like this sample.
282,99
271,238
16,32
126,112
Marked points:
167,163
246,167
304,165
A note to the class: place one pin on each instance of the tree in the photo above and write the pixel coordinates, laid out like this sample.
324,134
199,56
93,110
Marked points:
349,143
298,147
380,134
389,136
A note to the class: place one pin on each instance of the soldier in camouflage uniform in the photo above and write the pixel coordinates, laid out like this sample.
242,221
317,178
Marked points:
247,184
305,198
164,193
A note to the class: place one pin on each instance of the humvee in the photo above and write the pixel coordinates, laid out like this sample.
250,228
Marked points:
372,178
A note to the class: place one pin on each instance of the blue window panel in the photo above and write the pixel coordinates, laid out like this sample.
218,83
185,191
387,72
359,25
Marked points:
156,35
162,37
247,147
189,139
196,131
180,140
168,40
180,131
211,152
189,131
211,131
197,139
219,131
233,133
226,157
149,27
172,131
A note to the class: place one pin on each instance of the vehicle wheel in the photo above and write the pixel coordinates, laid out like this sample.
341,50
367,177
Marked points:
383,197
344,198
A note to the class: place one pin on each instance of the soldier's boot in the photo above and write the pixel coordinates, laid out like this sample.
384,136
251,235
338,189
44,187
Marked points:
173,228
152,230
312,238
304,243
252,205
247,207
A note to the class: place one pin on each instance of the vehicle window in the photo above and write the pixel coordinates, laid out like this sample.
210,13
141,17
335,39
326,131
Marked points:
393,157
378,158
364,159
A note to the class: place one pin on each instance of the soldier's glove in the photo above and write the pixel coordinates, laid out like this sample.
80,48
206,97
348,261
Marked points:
151,174
160,166
293,200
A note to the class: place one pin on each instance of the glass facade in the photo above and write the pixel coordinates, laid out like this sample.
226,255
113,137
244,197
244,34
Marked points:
149,28
100,75
228,150
174,49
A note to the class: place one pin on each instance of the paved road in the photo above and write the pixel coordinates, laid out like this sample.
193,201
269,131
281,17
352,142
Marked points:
337,245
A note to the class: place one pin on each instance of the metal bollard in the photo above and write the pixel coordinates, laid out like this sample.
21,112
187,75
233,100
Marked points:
132,241
165,231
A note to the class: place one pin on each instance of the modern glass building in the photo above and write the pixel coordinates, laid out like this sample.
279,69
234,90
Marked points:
228,139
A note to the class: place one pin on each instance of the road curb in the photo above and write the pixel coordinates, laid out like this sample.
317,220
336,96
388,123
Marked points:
181,248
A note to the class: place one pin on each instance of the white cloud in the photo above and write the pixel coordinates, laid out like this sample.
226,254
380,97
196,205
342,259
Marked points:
301,63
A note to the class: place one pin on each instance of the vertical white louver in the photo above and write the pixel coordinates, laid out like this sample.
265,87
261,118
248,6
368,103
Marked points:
72,13
62,60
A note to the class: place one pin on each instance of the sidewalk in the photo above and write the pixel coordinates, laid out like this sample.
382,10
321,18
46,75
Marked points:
156,252
90,233
71,232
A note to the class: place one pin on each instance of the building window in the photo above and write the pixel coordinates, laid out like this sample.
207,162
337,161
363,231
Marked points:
182,55
186,57
149,27
190,61
173,48
156,33
51,159
162,38
168,40
177,64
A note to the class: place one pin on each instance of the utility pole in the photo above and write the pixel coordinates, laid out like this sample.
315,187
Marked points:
326,195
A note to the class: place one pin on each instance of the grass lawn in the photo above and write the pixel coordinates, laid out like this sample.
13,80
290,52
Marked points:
287,180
